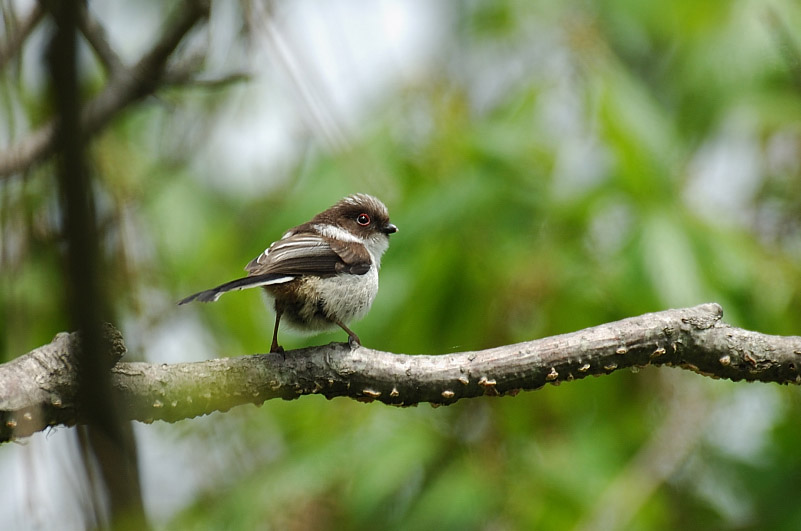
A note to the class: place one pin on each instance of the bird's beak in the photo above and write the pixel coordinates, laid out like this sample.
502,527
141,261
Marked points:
389,228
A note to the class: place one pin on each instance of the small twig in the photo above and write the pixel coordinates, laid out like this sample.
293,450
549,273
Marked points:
12,45
96,36
183,79
125,88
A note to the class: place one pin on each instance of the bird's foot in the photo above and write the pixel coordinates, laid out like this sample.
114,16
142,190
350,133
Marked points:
277,349
354,341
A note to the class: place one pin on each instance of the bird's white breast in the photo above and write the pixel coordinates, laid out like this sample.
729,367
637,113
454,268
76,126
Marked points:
348,297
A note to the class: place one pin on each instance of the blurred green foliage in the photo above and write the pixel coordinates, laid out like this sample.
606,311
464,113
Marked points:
558,167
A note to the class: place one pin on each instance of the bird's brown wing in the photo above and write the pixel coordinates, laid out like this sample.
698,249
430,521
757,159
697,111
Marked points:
310,254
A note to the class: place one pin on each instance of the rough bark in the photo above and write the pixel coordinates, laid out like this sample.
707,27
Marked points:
38,389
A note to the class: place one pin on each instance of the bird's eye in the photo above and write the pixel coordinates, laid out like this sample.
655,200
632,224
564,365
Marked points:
363,220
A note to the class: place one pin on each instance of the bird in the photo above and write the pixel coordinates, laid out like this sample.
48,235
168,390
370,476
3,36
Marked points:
321,274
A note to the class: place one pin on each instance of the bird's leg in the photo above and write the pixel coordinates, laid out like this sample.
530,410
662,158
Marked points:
353,339
275,347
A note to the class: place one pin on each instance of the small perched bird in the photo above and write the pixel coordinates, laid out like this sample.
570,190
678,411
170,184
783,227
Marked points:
323,273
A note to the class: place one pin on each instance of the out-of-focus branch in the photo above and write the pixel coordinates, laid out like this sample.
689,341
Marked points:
124,88
13,43
36,390
95,35
107,443
179,78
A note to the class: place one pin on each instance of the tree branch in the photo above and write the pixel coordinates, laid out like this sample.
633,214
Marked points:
37,390
15,39
125,87
40,389
95,35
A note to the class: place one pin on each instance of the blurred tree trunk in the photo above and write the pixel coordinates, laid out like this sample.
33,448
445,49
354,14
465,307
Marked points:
105,439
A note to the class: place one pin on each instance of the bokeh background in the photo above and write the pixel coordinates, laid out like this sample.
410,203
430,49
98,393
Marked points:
551,166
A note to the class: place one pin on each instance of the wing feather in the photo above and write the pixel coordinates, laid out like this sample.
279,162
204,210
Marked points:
296,254
310,254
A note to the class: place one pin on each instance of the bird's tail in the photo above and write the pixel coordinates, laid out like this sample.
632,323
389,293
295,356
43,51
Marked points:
211,295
